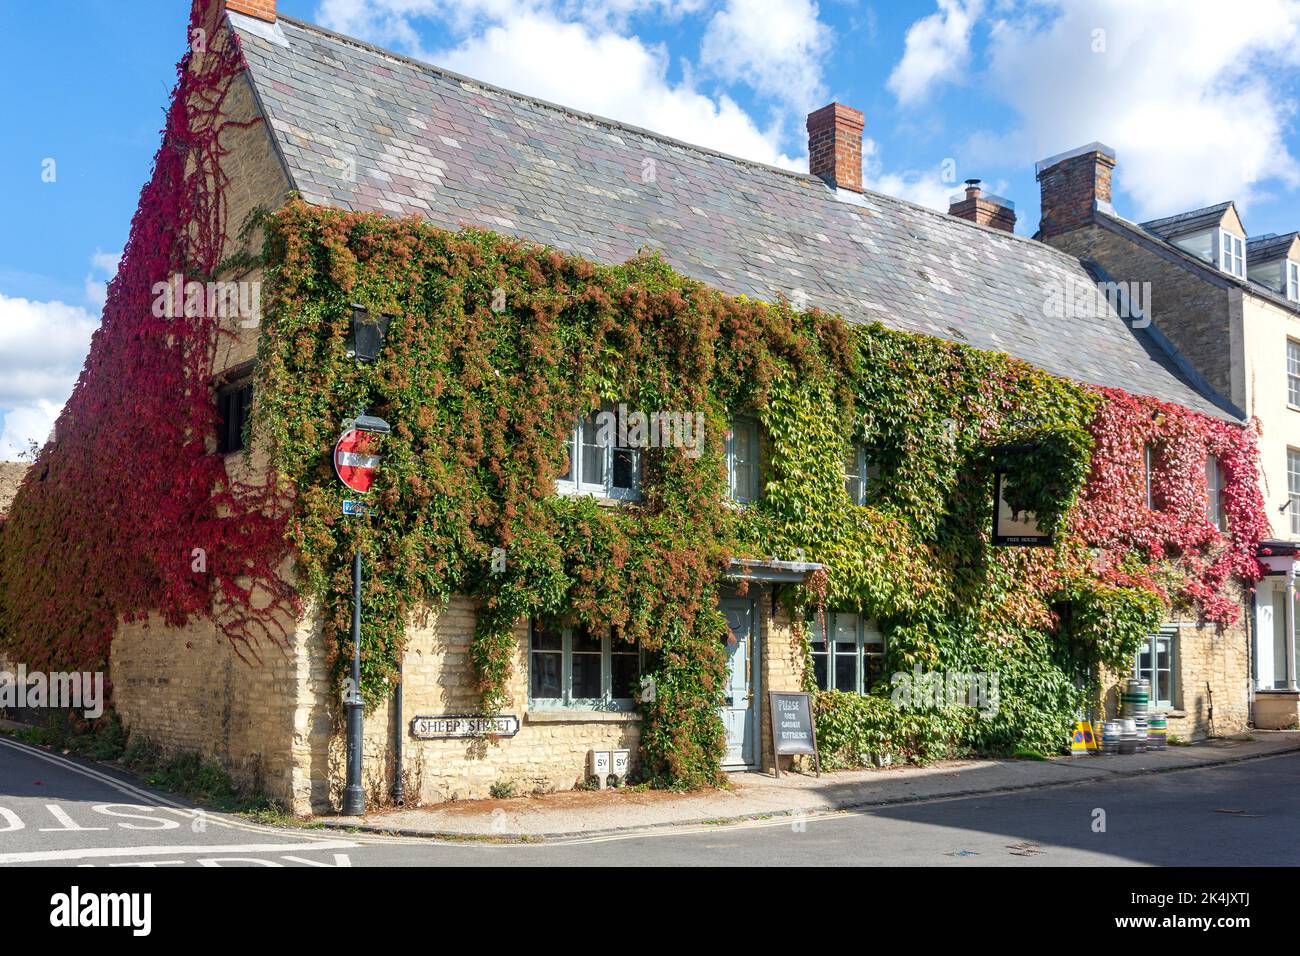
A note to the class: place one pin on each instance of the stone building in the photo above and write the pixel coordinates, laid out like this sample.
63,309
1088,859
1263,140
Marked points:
344,124
1230,305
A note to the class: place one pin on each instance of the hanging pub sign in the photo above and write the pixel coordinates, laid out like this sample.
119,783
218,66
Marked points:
1016,529
793,731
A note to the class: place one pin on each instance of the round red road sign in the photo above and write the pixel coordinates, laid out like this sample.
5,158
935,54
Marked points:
355,460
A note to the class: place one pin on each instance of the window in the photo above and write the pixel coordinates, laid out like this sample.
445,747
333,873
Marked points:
859,472
1293,372
598,464
742,460
1292,280
1232,254
1148,466
234,402
1214,512
1155,663
855,660
1293,488
569,666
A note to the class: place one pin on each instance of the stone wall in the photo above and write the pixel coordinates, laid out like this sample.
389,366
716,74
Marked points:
11,476
1211,668
189,689
1191,311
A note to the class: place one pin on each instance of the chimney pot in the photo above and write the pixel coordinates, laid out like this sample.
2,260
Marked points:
835,146
259,9
990,210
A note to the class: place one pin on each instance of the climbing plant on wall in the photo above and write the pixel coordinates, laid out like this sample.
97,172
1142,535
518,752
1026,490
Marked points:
496,348
127,511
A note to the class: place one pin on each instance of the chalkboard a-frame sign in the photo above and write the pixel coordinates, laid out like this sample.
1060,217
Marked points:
793,731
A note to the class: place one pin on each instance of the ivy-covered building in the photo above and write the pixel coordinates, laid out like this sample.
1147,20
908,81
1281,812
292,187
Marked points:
1230,303
833,384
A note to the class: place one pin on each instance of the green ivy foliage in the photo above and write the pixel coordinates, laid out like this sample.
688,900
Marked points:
496,348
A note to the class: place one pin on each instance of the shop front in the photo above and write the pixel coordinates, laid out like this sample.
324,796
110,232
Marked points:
1276,704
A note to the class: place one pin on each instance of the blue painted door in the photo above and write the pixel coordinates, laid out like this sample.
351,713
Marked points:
740,711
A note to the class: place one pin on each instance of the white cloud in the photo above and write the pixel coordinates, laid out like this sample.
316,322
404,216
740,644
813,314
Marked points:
937,50
774,46
557,61
42,348
1189,93
101,264
926,187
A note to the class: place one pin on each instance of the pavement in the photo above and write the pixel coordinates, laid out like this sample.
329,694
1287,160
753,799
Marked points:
759,796
1229,803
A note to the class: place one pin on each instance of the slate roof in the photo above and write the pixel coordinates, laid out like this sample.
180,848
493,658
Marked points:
1269,247
361,128
1187,223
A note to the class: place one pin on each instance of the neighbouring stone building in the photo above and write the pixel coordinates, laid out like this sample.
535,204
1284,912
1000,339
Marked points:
344,124
1230,304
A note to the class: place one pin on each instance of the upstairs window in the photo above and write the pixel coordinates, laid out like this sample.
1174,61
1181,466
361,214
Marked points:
742,460
1292,280
1214,512
859,472
1293,372
598,464
1232,254
234,405
1293,488
569,666
854,660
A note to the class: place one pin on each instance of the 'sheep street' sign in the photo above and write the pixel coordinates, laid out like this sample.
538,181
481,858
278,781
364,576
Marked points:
355,460
793,731
464,725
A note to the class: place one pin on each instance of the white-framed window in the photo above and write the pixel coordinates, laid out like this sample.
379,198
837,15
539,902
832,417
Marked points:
1293,487
860,470
1214,512
742,459
1155,662
598,464
571,667
1293,372
854,660
1232,254
1292,280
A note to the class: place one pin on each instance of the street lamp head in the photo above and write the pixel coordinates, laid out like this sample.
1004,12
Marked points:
367,333
373,424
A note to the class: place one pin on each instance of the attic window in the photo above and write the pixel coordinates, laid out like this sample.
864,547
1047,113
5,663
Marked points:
1293,280
1232,254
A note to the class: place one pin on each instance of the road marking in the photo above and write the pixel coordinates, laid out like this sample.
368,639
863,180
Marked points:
132,791
215,850
69,824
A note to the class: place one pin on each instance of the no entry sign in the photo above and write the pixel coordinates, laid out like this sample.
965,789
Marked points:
355,460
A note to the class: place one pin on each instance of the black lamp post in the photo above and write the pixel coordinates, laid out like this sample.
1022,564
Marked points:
365,341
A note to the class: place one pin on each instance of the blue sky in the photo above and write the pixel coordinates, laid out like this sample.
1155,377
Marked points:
1198,98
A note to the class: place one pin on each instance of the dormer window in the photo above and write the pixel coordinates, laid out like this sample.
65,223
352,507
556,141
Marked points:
1293,280
1232,254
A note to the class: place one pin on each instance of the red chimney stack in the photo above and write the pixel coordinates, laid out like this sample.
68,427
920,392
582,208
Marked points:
261,9
835,146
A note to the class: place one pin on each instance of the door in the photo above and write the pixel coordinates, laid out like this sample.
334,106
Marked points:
740,711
